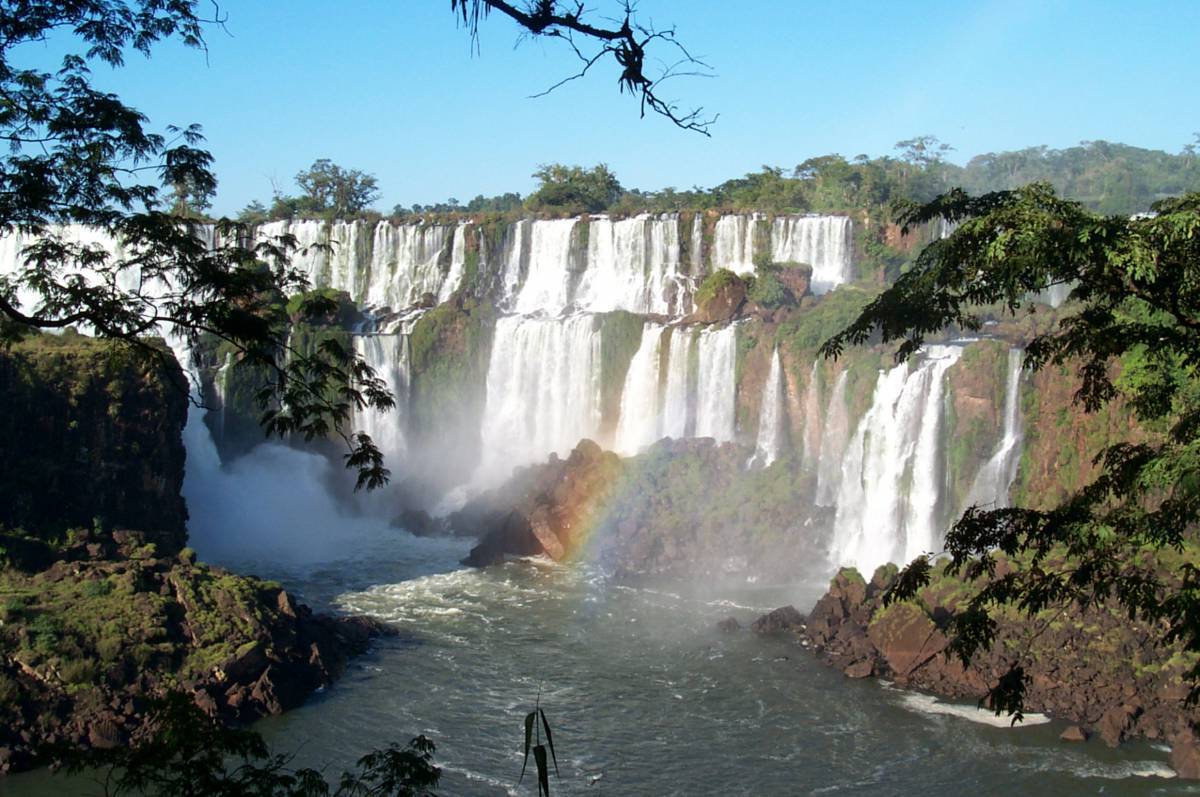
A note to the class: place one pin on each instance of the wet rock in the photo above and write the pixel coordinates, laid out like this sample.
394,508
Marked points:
785,618
729,625
1074,734
1185,754
1116,723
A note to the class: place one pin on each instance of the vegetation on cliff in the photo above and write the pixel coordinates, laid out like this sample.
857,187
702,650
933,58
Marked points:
1134,283
90,438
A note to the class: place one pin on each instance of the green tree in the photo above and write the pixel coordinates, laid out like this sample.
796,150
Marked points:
574,188
330,189
1136,312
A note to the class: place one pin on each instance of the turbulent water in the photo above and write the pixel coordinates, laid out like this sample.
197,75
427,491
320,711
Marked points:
645,697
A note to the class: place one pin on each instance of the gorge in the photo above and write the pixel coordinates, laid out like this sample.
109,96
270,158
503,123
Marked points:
507,343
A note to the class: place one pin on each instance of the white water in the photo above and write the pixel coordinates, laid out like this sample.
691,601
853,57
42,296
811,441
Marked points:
771,417
822,242
633,265
995,478
673,421
716,391
543,391
733,243
641,418
389,356
834,437
548,273
888,499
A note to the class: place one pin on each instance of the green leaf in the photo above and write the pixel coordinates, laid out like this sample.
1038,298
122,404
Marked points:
550,741
529,718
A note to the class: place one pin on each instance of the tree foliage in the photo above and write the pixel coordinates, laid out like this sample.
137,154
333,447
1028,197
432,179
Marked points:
574,189
329,188
1133,336
79,155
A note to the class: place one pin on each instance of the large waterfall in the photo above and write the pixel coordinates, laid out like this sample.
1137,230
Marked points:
543,390
555,284
888,498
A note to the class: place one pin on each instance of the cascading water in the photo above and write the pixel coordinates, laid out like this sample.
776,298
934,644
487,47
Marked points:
770,419
716,389
678,386
543,391
995,478
822,242
887,503
733,243
389,356
638,425
548,274
632,265
835,435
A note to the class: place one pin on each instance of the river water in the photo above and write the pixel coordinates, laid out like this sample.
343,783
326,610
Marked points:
645,696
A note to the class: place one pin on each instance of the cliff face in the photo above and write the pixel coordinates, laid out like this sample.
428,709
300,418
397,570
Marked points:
90,436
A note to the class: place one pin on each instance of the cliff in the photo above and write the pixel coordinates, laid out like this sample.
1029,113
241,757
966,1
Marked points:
90,437
101,606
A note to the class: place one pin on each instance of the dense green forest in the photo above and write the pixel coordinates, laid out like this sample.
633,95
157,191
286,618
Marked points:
1106,177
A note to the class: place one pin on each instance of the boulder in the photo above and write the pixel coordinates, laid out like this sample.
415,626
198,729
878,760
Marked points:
729,625
785,618
1185,754
906,638
1074,734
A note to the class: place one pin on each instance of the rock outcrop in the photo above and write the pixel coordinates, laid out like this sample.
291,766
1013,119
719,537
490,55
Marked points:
85,643
91,436
1111,677
681,508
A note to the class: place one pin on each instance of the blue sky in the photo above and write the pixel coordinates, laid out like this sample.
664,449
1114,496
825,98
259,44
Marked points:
394,89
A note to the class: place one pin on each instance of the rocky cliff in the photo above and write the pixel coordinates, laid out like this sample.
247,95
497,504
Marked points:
1092,666
96,619
90,437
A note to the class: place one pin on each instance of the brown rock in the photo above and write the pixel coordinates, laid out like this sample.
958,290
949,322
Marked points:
104,735
906,638
1074,734
860,669
1116,723
1185,755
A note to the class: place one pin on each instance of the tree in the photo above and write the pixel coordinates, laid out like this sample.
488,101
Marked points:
328,188
79,155
1133,336
574,188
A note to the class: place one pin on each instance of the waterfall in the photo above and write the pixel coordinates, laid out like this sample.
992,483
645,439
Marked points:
835,436
678,388
733,243
716,389
547,281
995,478
887,504
811,442
823,242
543,391
640,418
770,417
632,265
458,261
389,356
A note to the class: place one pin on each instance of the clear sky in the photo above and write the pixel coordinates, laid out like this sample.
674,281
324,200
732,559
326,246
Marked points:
394,89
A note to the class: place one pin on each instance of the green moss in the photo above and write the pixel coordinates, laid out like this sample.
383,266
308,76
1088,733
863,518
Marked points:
713,284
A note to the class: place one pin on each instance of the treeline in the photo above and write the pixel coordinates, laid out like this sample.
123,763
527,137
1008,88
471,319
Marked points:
1106,177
